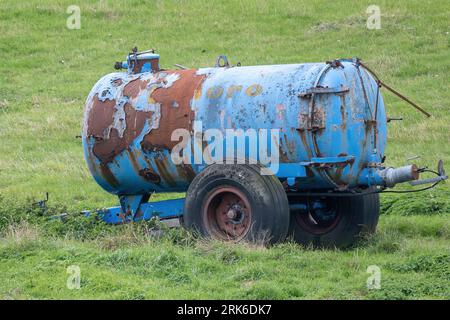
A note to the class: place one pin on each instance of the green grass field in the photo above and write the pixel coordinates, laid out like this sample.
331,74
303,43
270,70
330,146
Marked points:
48,70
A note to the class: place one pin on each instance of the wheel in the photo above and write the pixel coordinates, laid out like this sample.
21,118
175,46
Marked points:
236,202
334,222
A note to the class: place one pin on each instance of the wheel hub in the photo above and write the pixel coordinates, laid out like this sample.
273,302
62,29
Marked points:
236,214
227,213
321,215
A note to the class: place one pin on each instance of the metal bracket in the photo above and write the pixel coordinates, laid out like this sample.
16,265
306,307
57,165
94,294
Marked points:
222,62
291,170
130,206
165,209
298,170
329,161
314,122
389,119
323,90
335,63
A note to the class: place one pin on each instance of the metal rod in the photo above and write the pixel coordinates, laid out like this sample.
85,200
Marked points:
375,130
398,94
328,194
180,66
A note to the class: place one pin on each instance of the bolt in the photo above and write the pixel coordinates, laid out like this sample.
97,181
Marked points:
231,214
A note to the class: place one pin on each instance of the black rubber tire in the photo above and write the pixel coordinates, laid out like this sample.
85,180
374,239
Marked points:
359,215
265,194
372,212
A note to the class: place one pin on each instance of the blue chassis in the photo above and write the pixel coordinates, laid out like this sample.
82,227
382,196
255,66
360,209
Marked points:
135,208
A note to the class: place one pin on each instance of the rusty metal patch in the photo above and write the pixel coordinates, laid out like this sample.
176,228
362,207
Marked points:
182,92
120,112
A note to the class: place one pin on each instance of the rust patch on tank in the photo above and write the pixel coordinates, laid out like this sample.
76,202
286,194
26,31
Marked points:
108,148
316,145
284,156
100,117
149,175
343,116
133,160
182,91
134,87
108,175
148,147
144,101
317,119
161,164
305,142
117,82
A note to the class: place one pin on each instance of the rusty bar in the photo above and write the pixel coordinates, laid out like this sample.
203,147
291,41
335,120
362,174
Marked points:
398,94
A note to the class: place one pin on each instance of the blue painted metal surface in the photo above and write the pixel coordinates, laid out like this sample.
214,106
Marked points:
331,120
161,209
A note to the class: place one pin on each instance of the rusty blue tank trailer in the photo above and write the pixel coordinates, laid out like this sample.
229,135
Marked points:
330,140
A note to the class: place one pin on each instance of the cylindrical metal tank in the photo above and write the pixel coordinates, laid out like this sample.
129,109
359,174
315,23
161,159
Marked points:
323,111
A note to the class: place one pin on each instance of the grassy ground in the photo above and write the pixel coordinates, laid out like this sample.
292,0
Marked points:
48,71
128,262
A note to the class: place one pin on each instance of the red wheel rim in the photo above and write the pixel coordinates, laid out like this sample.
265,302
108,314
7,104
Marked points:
227,214
318,224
